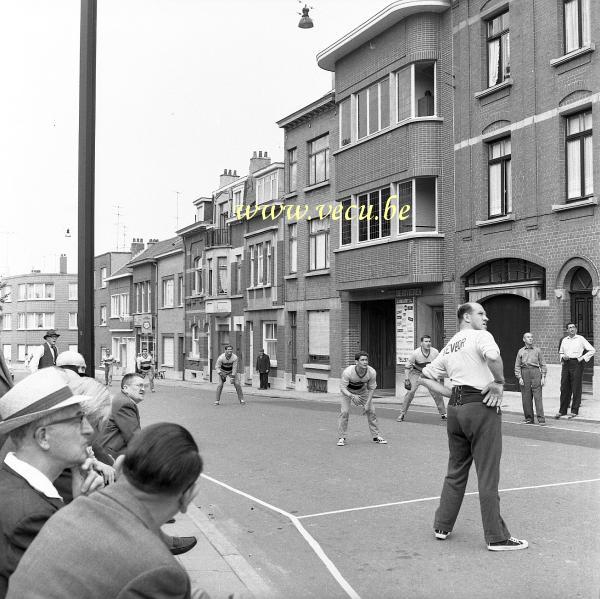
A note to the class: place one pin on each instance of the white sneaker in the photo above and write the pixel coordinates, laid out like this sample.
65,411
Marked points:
341,442
380,440
510,544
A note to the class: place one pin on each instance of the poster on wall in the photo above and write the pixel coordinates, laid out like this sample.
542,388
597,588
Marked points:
405,329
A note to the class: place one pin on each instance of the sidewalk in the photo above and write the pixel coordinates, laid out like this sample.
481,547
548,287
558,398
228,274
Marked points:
215,565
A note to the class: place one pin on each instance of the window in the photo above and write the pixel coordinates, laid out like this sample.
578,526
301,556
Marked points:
319,244
21,321
6,294
21,353
346,223
73,347
180,289
7,352
237,200
168,354
36,320
72,291
222,286
168,300
197,280
318,160
420,196
318,335
505,270
36,291
210,276
373,108
270,340
373,204
499,178
138,297
267,188
269,262
293,169
252,266
103,277
119,306
6,322
260,264
293,241
73,318
580,165
195,340
416,91
102,316
577,24
345,122
498,49
238,274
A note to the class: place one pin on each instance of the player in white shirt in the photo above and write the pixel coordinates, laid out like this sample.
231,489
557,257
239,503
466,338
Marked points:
472,362
357,385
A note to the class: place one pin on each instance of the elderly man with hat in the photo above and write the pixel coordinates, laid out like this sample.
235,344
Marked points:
45,355
50,432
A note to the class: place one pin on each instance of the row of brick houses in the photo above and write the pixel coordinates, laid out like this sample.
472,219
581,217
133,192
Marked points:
464,128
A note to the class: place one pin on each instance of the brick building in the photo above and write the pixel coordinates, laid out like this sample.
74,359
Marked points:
392,151
36,302
527,242
313,315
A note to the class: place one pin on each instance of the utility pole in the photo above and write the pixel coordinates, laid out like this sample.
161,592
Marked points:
118,209
86,184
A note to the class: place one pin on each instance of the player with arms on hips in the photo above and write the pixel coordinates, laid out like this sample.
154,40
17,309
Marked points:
472,362
357,385
227,366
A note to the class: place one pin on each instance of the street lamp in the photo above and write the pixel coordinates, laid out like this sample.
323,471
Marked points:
305,21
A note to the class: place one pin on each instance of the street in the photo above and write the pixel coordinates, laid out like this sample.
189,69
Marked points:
283,453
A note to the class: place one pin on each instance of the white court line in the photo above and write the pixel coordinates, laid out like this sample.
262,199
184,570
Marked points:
422,499
305,534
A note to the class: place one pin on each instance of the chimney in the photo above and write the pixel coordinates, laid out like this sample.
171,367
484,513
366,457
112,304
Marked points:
227,177
63,264
258,162
151,242
137,246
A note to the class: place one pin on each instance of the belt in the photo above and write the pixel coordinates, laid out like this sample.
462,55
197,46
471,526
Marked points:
462,394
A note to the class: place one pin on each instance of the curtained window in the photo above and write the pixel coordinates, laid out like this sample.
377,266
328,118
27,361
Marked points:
498,46
579,156
499,178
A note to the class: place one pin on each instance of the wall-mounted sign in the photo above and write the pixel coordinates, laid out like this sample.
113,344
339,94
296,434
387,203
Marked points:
405,330
409,292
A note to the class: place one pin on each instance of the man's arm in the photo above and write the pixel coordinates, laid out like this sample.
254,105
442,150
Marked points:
590,350
543,367
168,582
518,366
561,349
493,391
344,380
234,368
434,386
127,421
410,364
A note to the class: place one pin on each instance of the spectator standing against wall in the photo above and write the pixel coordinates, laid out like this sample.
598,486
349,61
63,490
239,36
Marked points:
263,366
530,370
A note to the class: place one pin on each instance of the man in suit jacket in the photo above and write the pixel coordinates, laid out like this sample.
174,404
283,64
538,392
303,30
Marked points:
108,544
45,355
50,433
263,366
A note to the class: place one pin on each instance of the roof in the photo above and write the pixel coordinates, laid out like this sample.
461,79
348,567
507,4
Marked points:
122,272
384,19
323,103
157,249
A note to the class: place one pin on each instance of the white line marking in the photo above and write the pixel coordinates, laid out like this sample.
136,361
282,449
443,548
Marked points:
305,534
422,499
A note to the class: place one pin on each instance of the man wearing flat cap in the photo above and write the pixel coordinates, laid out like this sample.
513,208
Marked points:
50,433
45,355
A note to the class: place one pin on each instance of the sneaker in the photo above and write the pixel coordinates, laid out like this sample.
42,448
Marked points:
526,422
242,402
401,417
217,403
559,415
380,440
441,534
511,544
542,422
444,417
341,442
571,415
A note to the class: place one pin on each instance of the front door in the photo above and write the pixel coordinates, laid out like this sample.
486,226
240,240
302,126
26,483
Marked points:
293,342
509,321
582,314
377,337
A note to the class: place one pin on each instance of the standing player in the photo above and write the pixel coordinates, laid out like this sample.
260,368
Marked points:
472,361
357,385
145,368
108,368
227,366
423,355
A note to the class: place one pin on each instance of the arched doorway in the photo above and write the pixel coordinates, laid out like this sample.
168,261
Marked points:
582,316
509,320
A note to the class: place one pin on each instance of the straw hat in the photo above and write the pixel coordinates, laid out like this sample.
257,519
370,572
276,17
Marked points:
38,395
51,333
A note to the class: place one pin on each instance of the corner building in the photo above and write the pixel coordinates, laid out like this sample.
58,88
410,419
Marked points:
392,147
527,115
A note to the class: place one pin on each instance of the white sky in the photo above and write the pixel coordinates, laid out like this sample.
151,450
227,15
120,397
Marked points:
185,89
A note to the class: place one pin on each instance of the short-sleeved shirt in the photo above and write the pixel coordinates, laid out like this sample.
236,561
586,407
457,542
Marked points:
359,385
463,359
227,366
418,360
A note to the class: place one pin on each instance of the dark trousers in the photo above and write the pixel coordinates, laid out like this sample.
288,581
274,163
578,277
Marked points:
474,434
264,380
532,379
571,377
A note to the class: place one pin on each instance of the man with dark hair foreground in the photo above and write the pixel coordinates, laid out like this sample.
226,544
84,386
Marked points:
109,544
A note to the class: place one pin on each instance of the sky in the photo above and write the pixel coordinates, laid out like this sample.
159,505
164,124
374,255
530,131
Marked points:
185,89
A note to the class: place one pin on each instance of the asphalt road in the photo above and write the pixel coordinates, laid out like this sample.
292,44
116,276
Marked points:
283,452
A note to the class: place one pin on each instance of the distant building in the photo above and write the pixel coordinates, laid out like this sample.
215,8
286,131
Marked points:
37,302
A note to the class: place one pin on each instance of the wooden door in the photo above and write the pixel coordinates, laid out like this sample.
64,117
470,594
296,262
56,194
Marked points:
377,332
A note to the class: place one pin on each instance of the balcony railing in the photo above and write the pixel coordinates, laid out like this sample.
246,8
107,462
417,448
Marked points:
215,237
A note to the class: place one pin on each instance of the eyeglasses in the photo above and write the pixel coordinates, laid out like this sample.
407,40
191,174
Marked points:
81,417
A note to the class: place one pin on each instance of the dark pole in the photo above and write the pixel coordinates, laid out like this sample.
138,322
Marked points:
87,139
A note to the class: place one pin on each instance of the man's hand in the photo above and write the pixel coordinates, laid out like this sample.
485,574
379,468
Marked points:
580,359
492,394
85,479
521,382
543,381
107,472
